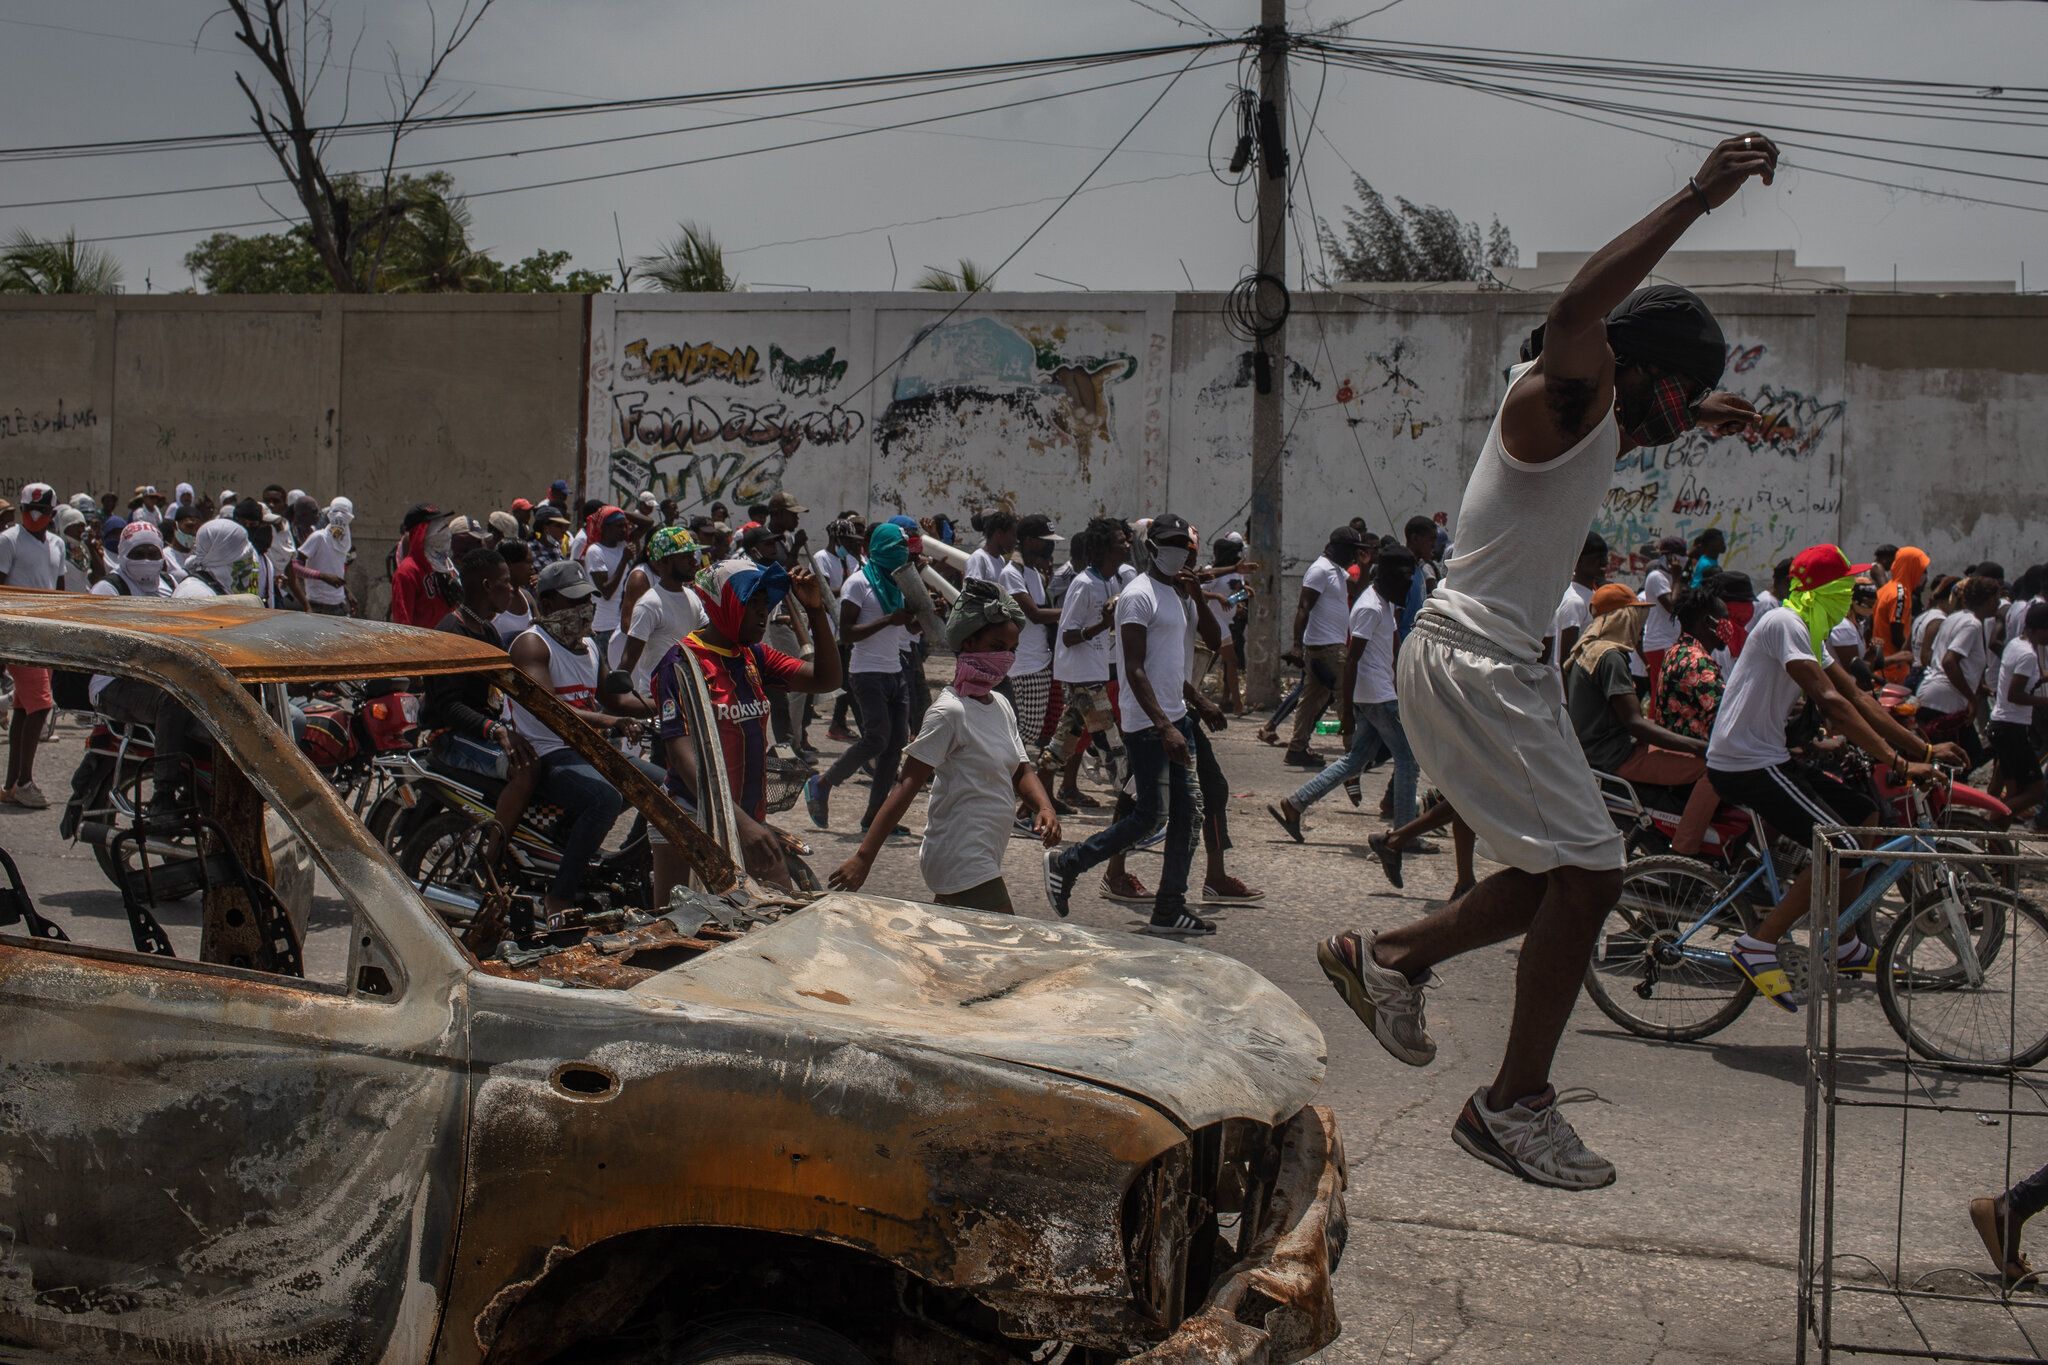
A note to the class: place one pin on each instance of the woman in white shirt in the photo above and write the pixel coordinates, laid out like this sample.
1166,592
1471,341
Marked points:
1948,694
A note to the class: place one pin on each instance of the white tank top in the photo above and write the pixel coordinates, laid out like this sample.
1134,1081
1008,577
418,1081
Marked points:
513,624
1520,530
574,678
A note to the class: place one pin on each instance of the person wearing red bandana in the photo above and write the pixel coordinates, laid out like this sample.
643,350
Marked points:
31,556
739,672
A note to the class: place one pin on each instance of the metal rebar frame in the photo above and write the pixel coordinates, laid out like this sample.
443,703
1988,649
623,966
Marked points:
2015,1307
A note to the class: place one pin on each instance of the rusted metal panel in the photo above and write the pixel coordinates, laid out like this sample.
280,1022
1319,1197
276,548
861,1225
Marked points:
203,1165
968,1173
1198,1033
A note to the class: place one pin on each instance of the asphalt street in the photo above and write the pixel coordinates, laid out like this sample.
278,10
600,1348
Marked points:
1689,1256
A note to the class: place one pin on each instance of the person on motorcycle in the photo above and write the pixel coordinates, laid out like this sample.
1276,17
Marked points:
462,714
1751,765
558,653
739,672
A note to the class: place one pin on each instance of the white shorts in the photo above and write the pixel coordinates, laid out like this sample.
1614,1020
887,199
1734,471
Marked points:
1493,735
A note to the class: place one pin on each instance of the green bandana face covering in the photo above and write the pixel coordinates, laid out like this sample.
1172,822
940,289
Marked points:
1823,609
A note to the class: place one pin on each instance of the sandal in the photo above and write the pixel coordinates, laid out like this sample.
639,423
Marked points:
1991,1227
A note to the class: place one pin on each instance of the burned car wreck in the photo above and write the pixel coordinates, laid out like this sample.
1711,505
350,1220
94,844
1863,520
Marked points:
746,1126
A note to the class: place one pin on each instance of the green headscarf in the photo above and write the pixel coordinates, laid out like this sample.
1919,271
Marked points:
981,604
1822,608
886,554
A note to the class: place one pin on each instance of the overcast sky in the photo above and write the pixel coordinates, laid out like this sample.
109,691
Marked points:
83,70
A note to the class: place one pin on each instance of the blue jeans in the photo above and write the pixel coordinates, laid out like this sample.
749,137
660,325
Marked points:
1377,727
568,780
1167,795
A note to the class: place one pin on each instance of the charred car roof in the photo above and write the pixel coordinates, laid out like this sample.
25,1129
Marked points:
249,640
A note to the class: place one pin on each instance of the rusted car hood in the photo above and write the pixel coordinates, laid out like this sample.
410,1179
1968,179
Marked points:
1196,1033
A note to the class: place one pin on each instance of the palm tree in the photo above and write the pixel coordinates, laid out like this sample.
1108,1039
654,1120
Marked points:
692,262
438,258
56,265
969,279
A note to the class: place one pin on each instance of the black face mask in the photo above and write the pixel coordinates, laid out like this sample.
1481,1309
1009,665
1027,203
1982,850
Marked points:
259,536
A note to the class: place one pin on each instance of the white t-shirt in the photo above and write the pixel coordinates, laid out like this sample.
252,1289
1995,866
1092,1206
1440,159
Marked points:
1962,633
606,559
2016,617
31,563
1765,601
830,569
881,652
2020,660
1373,621
1332,610
983,565
1089,661
1846,636
194,586
974,755
1034,642
1661,630
1169,622
661,618
324,556
1924,629
1574,612
1749,727
1227,586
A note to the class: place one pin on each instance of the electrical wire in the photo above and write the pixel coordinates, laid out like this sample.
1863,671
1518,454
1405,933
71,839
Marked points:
575,146
970,295
125,146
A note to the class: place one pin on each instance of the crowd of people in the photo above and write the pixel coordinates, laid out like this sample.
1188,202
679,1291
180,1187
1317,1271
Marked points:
1504,666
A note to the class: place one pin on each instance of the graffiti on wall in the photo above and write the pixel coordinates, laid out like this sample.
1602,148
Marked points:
17,421
973,398
1771,488
706,421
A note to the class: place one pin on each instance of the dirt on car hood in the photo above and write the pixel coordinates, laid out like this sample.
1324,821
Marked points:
1198,1034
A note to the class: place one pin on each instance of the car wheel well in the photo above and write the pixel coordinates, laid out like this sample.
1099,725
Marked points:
632,1294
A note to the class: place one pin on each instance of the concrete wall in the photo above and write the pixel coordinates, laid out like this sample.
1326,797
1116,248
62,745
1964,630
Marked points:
1908,419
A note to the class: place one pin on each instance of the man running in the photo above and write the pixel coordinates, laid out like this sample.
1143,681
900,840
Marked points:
1608,371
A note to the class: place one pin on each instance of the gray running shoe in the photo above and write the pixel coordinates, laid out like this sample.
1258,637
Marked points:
1384,1000
1539,1145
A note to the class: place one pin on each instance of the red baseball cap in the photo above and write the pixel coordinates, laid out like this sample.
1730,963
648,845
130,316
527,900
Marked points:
521,505
1819,565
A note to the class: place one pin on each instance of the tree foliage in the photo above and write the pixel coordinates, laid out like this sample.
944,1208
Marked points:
56,265
967,279
1411,242
428,251
691,262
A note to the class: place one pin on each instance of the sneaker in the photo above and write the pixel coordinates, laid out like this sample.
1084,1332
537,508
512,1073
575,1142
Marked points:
817,802
1389,856
840,734
1760,965
1180,924
1292,824
1139,894
28,794
1232,892
1384,1000
1539,1144
1023,827
1307,758
1059,883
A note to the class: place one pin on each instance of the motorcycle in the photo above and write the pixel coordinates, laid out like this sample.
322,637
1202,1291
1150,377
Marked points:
346,727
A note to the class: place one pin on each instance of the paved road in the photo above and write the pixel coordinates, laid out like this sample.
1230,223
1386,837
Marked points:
1688,1257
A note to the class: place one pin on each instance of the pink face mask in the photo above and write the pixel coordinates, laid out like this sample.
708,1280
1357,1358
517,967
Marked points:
976,675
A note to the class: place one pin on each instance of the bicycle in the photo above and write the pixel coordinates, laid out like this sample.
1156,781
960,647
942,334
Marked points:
1660,966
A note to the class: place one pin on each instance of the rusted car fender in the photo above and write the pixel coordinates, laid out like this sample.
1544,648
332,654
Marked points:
968,1173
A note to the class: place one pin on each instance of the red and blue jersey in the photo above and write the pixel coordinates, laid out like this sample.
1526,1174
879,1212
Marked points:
739,684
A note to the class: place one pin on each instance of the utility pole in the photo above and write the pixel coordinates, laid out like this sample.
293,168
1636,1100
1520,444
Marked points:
1270,303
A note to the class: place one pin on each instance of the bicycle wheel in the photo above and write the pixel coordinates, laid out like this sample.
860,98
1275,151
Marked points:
1640,975
1927,995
